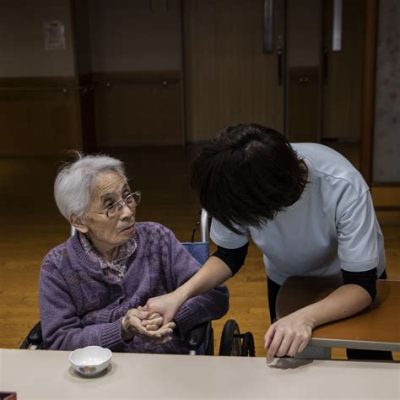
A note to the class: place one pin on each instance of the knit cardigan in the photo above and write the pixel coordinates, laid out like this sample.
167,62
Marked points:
80,307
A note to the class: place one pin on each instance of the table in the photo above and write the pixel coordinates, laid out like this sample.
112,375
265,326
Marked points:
45,375
376,328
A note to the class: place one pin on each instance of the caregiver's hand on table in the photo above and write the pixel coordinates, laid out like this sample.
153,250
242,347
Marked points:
288,336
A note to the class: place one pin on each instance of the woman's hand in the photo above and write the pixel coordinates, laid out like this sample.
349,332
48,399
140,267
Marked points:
153,322
132,325
288,336
166,305
291,334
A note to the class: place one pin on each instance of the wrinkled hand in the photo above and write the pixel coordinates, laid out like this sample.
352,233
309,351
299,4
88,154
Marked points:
287,336
152,322
132,325
166,305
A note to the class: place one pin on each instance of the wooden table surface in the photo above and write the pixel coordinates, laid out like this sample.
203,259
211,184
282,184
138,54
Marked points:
376,328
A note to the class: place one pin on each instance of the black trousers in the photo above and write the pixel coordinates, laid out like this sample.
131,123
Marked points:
352,354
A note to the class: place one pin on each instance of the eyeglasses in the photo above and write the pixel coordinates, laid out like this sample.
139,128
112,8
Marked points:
131,201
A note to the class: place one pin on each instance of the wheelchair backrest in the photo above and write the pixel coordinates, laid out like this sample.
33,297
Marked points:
198,250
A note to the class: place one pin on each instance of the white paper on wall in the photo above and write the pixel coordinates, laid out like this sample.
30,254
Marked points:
54,35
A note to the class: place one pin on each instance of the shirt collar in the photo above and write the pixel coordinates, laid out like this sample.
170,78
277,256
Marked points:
124,252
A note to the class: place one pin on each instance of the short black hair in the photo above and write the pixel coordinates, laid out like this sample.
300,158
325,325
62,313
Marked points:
247,174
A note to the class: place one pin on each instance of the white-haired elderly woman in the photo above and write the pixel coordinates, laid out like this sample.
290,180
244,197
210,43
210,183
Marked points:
93,285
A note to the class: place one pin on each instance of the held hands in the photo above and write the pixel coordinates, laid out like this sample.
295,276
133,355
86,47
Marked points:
139,322
154,320
288,336
166,305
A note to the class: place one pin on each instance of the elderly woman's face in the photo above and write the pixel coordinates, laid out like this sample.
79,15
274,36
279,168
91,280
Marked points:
109,232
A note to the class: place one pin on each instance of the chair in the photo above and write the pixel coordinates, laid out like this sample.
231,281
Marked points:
201,338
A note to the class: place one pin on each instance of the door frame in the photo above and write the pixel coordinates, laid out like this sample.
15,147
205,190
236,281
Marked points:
368,103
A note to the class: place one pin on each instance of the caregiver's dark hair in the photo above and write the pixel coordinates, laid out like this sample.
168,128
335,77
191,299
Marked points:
247,174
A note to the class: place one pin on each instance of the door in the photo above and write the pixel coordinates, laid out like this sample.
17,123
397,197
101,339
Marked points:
229,79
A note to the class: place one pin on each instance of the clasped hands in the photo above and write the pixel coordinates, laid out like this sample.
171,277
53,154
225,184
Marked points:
142,322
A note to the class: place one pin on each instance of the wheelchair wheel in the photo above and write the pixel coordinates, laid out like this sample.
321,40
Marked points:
248,349
230,340
210,345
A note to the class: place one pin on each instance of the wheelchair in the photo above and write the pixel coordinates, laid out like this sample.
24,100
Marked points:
233,343
200,340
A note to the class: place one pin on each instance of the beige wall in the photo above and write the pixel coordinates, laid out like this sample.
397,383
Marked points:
22,48
135,35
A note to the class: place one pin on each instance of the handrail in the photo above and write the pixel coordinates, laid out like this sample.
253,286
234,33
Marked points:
85,88
62,89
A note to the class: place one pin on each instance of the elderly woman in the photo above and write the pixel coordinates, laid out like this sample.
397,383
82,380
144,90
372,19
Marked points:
93,285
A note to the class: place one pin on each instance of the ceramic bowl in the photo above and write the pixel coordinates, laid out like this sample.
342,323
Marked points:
90,360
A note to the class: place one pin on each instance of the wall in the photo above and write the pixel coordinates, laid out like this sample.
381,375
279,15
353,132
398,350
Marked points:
386,167
136,60
135,35
304,33
303,92
342,84
39,101
228,77
22,39
81,35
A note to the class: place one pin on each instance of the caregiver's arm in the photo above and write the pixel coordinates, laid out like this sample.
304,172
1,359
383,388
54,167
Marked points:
210,275
291,334
218,268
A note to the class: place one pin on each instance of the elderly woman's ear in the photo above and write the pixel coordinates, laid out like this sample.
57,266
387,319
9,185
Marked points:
78,224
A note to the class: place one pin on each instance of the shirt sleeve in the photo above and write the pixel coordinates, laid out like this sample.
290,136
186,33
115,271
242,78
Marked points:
365,279
224,237
357,236
233,258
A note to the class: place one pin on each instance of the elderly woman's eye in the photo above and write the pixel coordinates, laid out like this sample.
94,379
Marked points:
129,198
112,207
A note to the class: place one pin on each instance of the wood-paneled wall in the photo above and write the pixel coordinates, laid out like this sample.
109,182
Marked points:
39,116
343,80
138,108
228,77
303,98
42,116
387,203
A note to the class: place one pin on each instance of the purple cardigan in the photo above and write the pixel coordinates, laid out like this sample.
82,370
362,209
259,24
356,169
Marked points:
79,307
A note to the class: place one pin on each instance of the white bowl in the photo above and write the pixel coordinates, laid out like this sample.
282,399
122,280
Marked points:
90,360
